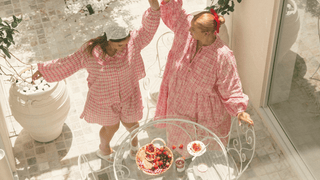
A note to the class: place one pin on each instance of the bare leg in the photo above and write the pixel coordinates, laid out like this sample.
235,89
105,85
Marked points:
106,134
128,126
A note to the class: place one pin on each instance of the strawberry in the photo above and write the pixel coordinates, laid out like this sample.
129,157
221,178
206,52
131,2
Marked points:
173,146
169,156
158,158
155,166
167,164
160,163
181,146
161,149
165,153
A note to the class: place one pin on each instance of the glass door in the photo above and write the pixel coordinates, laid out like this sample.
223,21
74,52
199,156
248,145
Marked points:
294,96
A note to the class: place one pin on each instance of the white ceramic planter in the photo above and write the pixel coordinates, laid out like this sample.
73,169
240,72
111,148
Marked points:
42,114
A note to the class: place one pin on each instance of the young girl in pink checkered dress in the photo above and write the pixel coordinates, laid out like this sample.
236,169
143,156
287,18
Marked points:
200,81
114,66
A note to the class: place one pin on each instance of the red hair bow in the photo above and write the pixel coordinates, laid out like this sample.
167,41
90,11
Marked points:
216,18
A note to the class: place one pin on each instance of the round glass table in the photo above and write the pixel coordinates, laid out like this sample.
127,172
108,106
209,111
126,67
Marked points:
178,135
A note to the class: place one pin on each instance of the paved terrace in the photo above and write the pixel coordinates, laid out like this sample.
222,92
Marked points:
50,30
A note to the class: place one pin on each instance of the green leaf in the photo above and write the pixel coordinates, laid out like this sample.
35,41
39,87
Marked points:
19,20
4,28
14,24
8,44
239,1
209,7
5,51
221,2
14,18
231,8
9,37
7,23
0,20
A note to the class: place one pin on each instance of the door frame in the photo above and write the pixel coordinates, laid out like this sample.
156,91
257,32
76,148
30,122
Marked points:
270,119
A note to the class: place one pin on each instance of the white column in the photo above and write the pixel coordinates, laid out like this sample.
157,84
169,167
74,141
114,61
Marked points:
5,142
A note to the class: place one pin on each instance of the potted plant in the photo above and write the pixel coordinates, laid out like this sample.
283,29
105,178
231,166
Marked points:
222,7
40,107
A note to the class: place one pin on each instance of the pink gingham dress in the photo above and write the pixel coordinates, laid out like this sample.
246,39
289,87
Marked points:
113,82
207,89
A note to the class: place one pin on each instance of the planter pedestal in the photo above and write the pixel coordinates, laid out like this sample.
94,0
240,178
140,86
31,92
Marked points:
42,114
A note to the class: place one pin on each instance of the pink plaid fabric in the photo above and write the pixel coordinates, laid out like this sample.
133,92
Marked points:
113,82
207,89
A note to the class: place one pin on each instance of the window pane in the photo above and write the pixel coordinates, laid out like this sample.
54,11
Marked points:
295,87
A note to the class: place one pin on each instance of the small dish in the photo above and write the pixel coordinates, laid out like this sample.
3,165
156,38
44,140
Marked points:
198,152
202,167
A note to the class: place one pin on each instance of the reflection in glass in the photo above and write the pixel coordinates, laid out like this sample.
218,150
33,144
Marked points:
294,93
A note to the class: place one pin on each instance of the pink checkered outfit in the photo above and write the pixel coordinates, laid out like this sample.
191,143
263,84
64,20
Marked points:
113,82
208,88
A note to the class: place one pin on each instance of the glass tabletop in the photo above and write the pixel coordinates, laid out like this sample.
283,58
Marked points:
181,137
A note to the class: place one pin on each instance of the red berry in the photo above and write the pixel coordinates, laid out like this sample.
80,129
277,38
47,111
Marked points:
158,158
161,148
173,146
169,156
150,148
160,163
155,166
167,164
165,153
181,146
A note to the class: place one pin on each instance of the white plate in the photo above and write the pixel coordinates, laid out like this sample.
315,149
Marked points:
191,152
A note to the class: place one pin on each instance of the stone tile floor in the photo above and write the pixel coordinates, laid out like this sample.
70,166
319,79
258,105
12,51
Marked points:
50,31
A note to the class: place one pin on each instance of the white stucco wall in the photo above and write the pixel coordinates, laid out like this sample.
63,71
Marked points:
5,142
253,32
